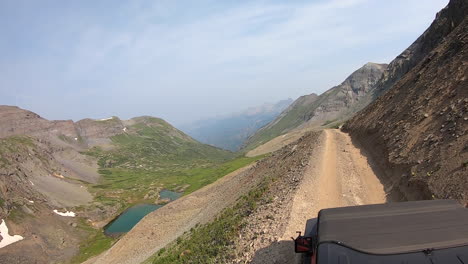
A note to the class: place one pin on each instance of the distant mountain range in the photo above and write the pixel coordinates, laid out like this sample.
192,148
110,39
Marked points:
230,132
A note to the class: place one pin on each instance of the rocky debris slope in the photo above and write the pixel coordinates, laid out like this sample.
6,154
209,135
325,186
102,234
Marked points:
418,128
267,224
32,185
30,173
331,107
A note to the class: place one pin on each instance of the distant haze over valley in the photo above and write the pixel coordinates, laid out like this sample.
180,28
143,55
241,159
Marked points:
230,131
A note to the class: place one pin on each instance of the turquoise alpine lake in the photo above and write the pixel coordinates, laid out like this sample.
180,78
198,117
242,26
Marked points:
130,217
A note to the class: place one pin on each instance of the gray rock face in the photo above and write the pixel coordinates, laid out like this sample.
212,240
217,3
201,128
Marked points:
350,96
338,103
446,20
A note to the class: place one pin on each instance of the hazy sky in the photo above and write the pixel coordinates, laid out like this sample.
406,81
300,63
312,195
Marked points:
186,60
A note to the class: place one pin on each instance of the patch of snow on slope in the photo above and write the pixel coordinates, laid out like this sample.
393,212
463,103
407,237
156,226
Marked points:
67,213
6,239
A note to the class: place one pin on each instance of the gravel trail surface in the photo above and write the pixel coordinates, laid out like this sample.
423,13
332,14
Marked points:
338,175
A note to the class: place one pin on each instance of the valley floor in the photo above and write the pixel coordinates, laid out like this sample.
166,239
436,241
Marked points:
164,225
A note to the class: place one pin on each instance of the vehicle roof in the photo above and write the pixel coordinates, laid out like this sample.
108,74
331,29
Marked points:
396,227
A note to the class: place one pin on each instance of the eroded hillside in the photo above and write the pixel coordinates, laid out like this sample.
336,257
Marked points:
90,171
32,185
418,128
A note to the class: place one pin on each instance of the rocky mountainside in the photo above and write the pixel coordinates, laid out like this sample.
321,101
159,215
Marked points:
65,165
231,131
331,107
418,127
33,183
17,121
446,20
33,153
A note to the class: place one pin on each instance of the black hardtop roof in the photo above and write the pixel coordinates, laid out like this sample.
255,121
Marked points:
396,227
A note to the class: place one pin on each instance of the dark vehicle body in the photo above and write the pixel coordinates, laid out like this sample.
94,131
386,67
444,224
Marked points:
419,232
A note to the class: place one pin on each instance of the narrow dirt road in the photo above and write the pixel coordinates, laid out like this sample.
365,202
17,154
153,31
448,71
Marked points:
340,176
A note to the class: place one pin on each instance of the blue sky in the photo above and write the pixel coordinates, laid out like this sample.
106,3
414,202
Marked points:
188,60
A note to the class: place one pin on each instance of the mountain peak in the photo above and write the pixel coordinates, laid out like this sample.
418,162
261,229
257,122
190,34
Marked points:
375,65
333,106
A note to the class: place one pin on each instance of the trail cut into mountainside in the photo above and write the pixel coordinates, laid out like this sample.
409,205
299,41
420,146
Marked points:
338,174
341,176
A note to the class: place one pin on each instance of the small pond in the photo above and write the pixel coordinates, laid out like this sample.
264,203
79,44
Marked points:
165,194
130,217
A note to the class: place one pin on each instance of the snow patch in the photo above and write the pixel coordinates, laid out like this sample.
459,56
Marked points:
124,129
76,139
67,213
104,119
58,175
6,239
32,183
31,202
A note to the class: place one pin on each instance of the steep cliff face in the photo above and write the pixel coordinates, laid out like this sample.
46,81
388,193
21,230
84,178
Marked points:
333,106
418,128
350,96
446,20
